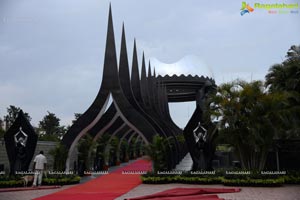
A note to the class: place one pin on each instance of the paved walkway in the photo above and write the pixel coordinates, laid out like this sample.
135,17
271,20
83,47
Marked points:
106,187
287,192
28,195
185,164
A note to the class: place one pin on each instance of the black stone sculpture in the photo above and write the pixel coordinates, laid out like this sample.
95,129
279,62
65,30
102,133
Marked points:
20,143
200,132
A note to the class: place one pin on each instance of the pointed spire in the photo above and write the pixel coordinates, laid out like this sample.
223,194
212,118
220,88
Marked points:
143,73
154,74
144,84
110,69
123,65
135,65
150,87
149,70
135,75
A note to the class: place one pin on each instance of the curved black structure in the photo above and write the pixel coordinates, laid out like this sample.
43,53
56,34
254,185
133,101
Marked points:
139,103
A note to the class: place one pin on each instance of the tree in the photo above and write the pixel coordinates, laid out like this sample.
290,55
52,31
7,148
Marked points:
113,150
123,153
76,116
1,123
50,128
249,119
1,129
294,53
157,150
100,155
12,114
285,78
59,154
86,147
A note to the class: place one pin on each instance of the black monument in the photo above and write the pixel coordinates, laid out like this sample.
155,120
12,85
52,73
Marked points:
139,103
20,143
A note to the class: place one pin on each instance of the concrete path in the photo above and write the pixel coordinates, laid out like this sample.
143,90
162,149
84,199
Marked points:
28,195
185,164
286,192
31,194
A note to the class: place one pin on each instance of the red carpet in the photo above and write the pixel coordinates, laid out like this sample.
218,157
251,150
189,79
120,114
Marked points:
105,187
188,194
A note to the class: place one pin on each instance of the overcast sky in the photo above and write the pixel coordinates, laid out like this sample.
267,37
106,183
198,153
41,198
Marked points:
51,51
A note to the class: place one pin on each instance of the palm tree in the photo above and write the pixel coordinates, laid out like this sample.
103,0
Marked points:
59,155
157,150
100,156
249,119
285,78
86,147
294,52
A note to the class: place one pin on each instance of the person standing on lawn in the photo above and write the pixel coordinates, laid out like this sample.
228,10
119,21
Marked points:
39,166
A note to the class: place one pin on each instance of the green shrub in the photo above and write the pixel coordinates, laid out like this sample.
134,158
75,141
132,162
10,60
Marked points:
253,179
16,181
252,175
61,180
291,179
11,183
180,179
254,182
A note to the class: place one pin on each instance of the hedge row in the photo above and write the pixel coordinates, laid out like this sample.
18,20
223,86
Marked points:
11,183
61,181
220,177
16,181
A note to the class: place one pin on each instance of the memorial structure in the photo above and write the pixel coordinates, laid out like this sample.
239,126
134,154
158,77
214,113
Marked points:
139,103
20,142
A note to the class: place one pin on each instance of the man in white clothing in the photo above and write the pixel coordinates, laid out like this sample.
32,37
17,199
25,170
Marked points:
39,166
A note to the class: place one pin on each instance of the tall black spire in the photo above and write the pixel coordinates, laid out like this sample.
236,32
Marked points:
124,67
131,106
110,69
135,75
150,87
144,84
143,73
149,70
